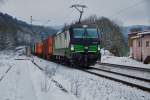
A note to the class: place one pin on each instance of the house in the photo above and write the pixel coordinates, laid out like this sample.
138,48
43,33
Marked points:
139,44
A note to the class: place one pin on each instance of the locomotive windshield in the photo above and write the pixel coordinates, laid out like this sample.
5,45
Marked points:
85,33
78,32
92,33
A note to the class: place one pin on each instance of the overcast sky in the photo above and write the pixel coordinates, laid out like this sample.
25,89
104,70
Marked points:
126,12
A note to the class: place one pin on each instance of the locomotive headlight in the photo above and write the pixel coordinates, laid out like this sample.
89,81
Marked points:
72,47
98,48
86,47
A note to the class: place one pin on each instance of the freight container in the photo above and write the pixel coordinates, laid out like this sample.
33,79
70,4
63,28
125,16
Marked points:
47,47
38,48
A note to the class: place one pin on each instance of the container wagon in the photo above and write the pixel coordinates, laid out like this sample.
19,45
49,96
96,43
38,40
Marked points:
47,48
38,49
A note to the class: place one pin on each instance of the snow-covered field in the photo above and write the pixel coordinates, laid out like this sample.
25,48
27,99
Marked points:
22,80
107,57
124,61
89,87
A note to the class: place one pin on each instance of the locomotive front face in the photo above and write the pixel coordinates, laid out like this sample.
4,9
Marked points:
85,44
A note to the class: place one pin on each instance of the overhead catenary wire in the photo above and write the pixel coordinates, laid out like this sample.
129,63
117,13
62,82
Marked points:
127,8
124,10
62,18
83,1
80,9
67,15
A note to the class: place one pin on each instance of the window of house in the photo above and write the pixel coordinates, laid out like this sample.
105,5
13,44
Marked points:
147,43
139,43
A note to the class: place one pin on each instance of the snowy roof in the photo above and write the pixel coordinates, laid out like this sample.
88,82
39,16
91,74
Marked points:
132,33
144,33
135,37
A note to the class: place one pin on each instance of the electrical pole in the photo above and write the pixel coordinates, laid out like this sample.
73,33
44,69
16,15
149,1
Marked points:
32,35
31,20
31,24
79,8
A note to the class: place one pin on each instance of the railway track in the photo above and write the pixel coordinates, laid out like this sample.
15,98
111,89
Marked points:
5,73
126,67
140,73
133,81
144,85
124,75
139,82
37,66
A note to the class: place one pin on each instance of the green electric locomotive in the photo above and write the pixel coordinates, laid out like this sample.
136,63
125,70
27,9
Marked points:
77,45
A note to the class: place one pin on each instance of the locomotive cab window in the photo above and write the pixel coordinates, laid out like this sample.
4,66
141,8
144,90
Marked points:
92,33
85,33
78,32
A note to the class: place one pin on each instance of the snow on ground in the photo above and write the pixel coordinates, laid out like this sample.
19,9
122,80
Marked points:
18,53
89,87
4,68
136,73
45,88
120,77
6,55
24,81
124,61
17,85
107,57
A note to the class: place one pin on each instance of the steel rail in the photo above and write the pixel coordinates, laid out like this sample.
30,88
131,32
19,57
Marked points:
107,77
126,67
126,75
117,80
